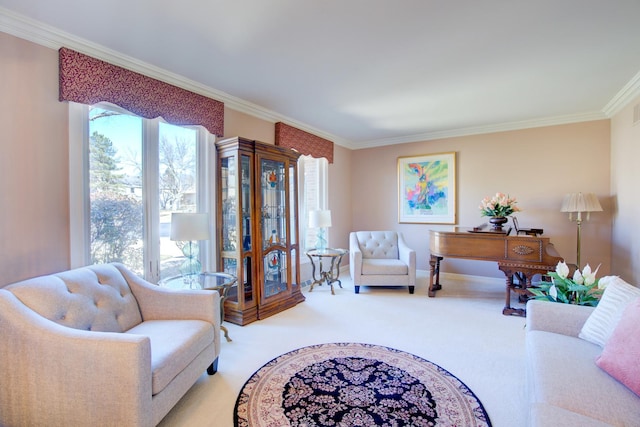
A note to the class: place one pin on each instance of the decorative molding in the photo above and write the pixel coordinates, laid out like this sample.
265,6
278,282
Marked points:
48,36
478,130
51,37
627,94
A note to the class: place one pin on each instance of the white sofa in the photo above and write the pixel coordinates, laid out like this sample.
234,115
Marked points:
100,346
381,258
566,387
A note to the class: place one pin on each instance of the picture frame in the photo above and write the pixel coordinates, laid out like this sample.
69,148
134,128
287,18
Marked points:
427,189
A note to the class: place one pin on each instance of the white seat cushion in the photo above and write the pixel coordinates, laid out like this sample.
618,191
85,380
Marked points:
384,267
174,345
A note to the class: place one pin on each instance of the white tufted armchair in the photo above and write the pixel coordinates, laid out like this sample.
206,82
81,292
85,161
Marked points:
381,258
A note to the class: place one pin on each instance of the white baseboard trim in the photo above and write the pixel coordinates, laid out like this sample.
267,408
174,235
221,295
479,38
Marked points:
424,274
471,278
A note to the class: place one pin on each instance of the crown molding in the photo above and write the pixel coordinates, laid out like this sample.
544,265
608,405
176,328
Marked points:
627,94
478,130
48,36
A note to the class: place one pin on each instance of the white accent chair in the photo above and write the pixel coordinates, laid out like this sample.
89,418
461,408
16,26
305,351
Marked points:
98,345
381,258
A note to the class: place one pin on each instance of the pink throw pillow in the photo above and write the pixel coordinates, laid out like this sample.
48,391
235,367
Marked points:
621,355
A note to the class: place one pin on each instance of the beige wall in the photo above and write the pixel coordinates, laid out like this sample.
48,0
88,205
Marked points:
246,126
340,198
34,171
538,166
625,176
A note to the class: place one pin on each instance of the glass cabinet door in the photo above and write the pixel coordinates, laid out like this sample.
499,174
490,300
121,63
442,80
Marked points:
293,224
236,232
247,231
274,226
228,198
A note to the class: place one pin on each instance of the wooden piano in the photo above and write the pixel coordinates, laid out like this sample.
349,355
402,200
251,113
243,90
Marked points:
519,257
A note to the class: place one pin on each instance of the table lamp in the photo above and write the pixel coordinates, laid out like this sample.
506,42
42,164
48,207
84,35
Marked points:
579,203
320,219
187,227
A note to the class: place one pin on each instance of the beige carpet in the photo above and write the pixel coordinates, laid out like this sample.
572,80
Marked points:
462,330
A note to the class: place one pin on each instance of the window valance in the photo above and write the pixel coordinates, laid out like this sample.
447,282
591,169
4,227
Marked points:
89,80
304,142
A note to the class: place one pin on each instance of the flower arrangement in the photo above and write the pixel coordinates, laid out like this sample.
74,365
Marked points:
582,289
500,205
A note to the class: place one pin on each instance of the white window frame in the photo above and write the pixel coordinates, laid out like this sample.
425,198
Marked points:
79,202
310,198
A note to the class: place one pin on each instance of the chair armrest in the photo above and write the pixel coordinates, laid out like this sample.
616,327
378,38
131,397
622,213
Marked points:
158,303
565,319
408,256
355,258
50,371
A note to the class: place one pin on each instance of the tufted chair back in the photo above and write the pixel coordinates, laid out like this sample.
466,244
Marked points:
94,298
378,244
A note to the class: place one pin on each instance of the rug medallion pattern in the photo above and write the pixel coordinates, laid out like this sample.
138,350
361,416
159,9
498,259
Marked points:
351,384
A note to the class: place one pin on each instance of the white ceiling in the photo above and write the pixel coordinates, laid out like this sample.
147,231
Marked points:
367,72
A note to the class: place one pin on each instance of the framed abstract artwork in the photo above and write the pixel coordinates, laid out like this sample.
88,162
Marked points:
427,189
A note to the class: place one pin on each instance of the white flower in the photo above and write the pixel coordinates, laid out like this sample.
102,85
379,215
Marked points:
589,277
577,278
562,269
605,281
553,292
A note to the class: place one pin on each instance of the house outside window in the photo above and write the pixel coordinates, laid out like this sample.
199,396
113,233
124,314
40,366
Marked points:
135,173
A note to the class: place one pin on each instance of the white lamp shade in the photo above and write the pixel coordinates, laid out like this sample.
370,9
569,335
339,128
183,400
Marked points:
190,226
578,202
319,219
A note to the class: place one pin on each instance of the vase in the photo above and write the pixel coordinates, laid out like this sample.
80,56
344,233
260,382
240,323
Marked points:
497,222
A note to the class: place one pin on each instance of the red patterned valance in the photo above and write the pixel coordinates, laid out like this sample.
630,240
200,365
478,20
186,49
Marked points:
89,80
303,142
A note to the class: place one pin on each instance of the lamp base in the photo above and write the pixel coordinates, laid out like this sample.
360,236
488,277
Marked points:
191,266
321,242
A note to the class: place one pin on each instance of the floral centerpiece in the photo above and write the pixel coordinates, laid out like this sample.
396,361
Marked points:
582,289
498,206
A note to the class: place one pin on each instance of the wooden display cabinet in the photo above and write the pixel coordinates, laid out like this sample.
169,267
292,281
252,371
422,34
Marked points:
258,227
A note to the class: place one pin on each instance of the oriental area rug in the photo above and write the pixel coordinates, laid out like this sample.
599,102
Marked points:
352,384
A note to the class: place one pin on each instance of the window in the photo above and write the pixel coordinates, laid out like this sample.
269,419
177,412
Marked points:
135,173
313,186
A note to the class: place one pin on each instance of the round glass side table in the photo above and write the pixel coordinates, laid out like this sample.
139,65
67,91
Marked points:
212,281
331,274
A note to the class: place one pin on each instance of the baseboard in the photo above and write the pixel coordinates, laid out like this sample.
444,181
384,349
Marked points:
424,275
472,278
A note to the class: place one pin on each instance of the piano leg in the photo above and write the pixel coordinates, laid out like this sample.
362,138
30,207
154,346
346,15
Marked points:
523,281
434,263
520,289
524,273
